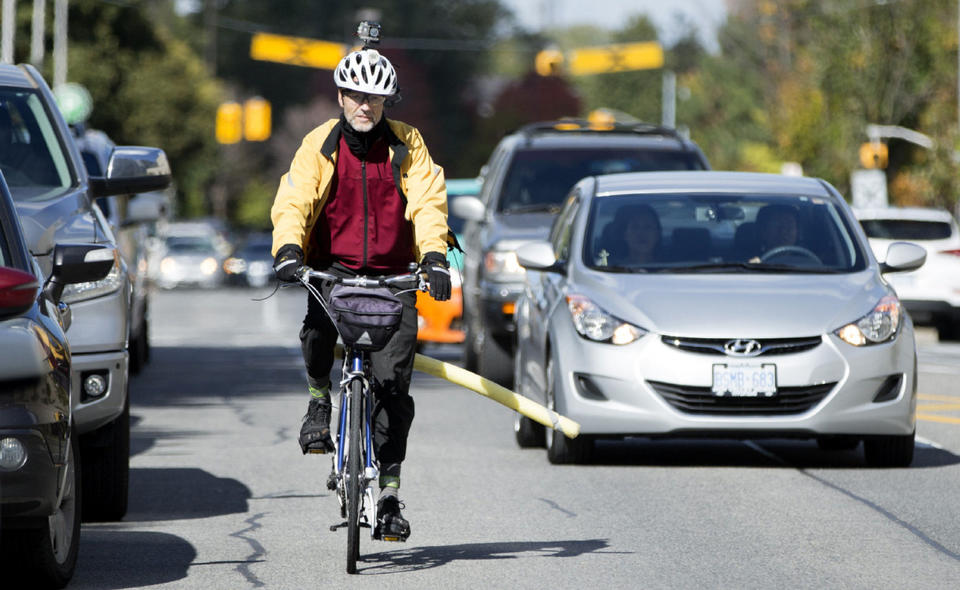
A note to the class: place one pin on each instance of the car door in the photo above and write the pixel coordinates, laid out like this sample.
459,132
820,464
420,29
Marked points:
546,291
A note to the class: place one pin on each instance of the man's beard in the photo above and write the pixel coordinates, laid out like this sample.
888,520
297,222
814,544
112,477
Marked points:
361,126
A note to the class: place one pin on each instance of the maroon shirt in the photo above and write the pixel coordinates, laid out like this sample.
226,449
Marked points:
362,224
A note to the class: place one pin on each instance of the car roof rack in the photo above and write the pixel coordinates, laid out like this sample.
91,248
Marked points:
587,126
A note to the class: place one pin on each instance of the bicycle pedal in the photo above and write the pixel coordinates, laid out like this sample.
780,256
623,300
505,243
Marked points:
317,451
392,539
334,527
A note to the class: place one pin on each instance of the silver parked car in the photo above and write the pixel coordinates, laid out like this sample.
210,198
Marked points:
717,304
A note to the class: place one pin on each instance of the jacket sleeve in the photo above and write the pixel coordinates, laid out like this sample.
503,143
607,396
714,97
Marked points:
299,191
426,191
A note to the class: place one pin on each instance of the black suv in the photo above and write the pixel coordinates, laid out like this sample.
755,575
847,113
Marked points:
525,182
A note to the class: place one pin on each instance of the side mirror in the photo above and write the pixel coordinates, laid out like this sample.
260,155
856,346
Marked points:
79,263
133,170
903,257
537,256
468,208
18,291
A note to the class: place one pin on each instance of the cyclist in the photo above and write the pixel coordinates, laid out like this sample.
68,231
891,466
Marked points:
363,197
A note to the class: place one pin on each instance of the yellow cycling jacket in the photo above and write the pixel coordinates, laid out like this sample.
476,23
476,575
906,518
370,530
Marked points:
305,187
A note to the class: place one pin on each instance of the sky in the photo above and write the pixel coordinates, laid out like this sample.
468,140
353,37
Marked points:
707,15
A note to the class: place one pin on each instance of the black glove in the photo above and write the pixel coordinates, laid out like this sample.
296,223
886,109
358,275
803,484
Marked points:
288,260
438,275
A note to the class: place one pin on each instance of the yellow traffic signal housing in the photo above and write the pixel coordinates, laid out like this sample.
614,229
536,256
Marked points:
548,62
256,119
229,122
874,154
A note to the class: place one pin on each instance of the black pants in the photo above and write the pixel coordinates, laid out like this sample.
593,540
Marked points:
391,367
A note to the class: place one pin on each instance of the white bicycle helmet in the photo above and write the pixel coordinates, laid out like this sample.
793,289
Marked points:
366,71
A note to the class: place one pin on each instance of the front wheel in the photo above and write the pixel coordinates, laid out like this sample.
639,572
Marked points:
106,469
354,479
889,451
46,556
560,449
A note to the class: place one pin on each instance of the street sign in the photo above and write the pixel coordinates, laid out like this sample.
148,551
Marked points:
869,188
298,51
74,101
616,58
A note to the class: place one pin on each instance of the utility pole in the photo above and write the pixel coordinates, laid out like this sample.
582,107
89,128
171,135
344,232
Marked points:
7,31
59,42
668,116
37,31
210,34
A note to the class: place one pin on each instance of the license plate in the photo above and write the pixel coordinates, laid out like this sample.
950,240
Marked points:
745,380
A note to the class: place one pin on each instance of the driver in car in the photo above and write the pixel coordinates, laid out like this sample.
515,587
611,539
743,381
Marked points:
777,226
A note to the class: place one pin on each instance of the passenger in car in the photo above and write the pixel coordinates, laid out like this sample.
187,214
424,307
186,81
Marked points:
632,238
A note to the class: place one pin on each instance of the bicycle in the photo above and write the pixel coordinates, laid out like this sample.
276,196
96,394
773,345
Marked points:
365,318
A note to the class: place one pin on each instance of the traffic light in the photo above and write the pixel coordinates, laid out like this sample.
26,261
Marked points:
548,62
229,127
874,154
256,119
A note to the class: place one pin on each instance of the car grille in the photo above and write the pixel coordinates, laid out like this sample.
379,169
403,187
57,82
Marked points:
701,400
768,346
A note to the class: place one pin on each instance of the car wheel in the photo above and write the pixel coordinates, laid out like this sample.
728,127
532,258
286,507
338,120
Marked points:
135,348
529,434
106,469
46,557
837,443
469,345
560,449
494,361
948,329
889,451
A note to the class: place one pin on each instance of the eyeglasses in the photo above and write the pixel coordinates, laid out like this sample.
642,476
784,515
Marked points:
373,100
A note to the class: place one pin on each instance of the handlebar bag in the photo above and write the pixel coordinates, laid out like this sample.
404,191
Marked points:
366,318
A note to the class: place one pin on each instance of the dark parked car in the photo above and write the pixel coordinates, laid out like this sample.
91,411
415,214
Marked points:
251,265
524,184
39,456
54,196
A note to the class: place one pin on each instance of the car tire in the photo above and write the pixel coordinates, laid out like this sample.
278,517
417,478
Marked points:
560,449
838,443
889,451
136,350
948,329
529,434
470,362
106,469
46,557
494,361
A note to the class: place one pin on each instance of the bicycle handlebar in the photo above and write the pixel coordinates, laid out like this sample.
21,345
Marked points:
305,273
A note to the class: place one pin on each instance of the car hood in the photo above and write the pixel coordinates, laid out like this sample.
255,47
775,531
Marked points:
748,306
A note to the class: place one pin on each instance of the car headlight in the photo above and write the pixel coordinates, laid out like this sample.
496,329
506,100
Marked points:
595,324
233,265
83,291
880,325
208,266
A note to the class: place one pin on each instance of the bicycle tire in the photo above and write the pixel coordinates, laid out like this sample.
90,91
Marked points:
354,475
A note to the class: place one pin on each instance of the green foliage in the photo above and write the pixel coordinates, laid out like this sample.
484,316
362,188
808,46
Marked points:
253,206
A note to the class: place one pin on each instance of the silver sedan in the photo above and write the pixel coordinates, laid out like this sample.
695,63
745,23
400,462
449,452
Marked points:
715,304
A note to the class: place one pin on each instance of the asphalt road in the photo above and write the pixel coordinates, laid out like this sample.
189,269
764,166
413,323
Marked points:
221,497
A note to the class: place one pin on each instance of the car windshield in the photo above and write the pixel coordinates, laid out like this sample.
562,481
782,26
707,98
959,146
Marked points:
31,156
719,233
539,180
190,245
906,229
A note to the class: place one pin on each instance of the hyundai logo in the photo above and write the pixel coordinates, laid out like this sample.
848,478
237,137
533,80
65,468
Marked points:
741,347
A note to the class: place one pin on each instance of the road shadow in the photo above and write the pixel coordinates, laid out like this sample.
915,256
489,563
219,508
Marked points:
764,453
423,558
179,493
192,375
112,558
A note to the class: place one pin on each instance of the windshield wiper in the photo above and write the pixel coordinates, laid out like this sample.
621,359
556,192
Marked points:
537,208
748,267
